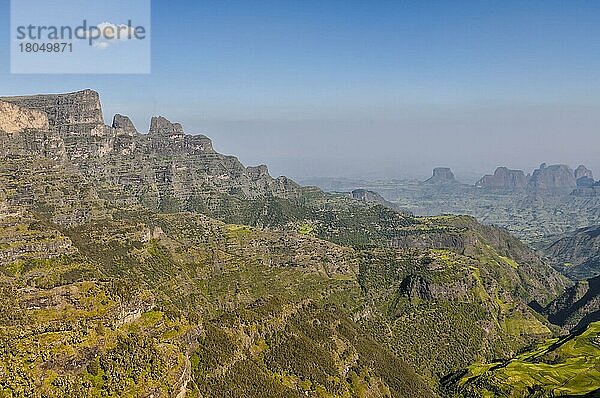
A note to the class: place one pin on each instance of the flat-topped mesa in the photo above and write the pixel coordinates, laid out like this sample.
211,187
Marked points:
81,107
583,171
74,117
442,175
552,178
503,178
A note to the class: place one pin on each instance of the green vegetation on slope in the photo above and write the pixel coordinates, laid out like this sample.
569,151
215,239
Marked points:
331,298
559,367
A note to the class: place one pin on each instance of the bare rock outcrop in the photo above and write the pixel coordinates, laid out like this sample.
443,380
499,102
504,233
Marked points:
503,178
164,169
585,182
256,172
15,119
25,132
124,124
75,117
552,178
81,107
442,175
587,187
161,126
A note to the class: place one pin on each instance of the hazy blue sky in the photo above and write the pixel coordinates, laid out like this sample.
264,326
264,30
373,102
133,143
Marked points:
391,88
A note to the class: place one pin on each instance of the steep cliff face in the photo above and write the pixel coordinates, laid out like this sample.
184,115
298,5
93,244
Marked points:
164,169
167,169
577,307
552,178
503,178
162,127
442,175
577,254
586,186
15,119
588,191
76,118
26,132
124,125
585,182
81,107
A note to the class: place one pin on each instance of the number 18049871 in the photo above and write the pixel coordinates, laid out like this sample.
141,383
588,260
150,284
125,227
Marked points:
46,47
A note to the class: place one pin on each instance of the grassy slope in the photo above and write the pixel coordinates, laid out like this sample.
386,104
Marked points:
559,367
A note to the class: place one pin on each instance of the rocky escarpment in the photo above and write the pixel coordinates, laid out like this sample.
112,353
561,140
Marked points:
76,118
79,108
503,178
522,269
164,169
585,182
416,287
578,254
124,125
441,175
161,127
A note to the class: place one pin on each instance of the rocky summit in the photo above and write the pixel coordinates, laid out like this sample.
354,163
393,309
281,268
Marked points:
552,178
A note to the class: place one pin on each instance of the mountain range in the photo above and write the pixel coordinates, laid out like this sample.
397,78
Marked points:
151,265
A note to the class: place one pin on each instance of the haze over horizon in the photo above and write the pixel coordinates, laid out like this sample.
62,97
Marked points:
316,89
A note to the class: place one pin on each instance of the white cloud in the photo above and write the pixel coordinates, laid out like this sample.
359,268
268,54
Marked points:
101,45
106,34
117,32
